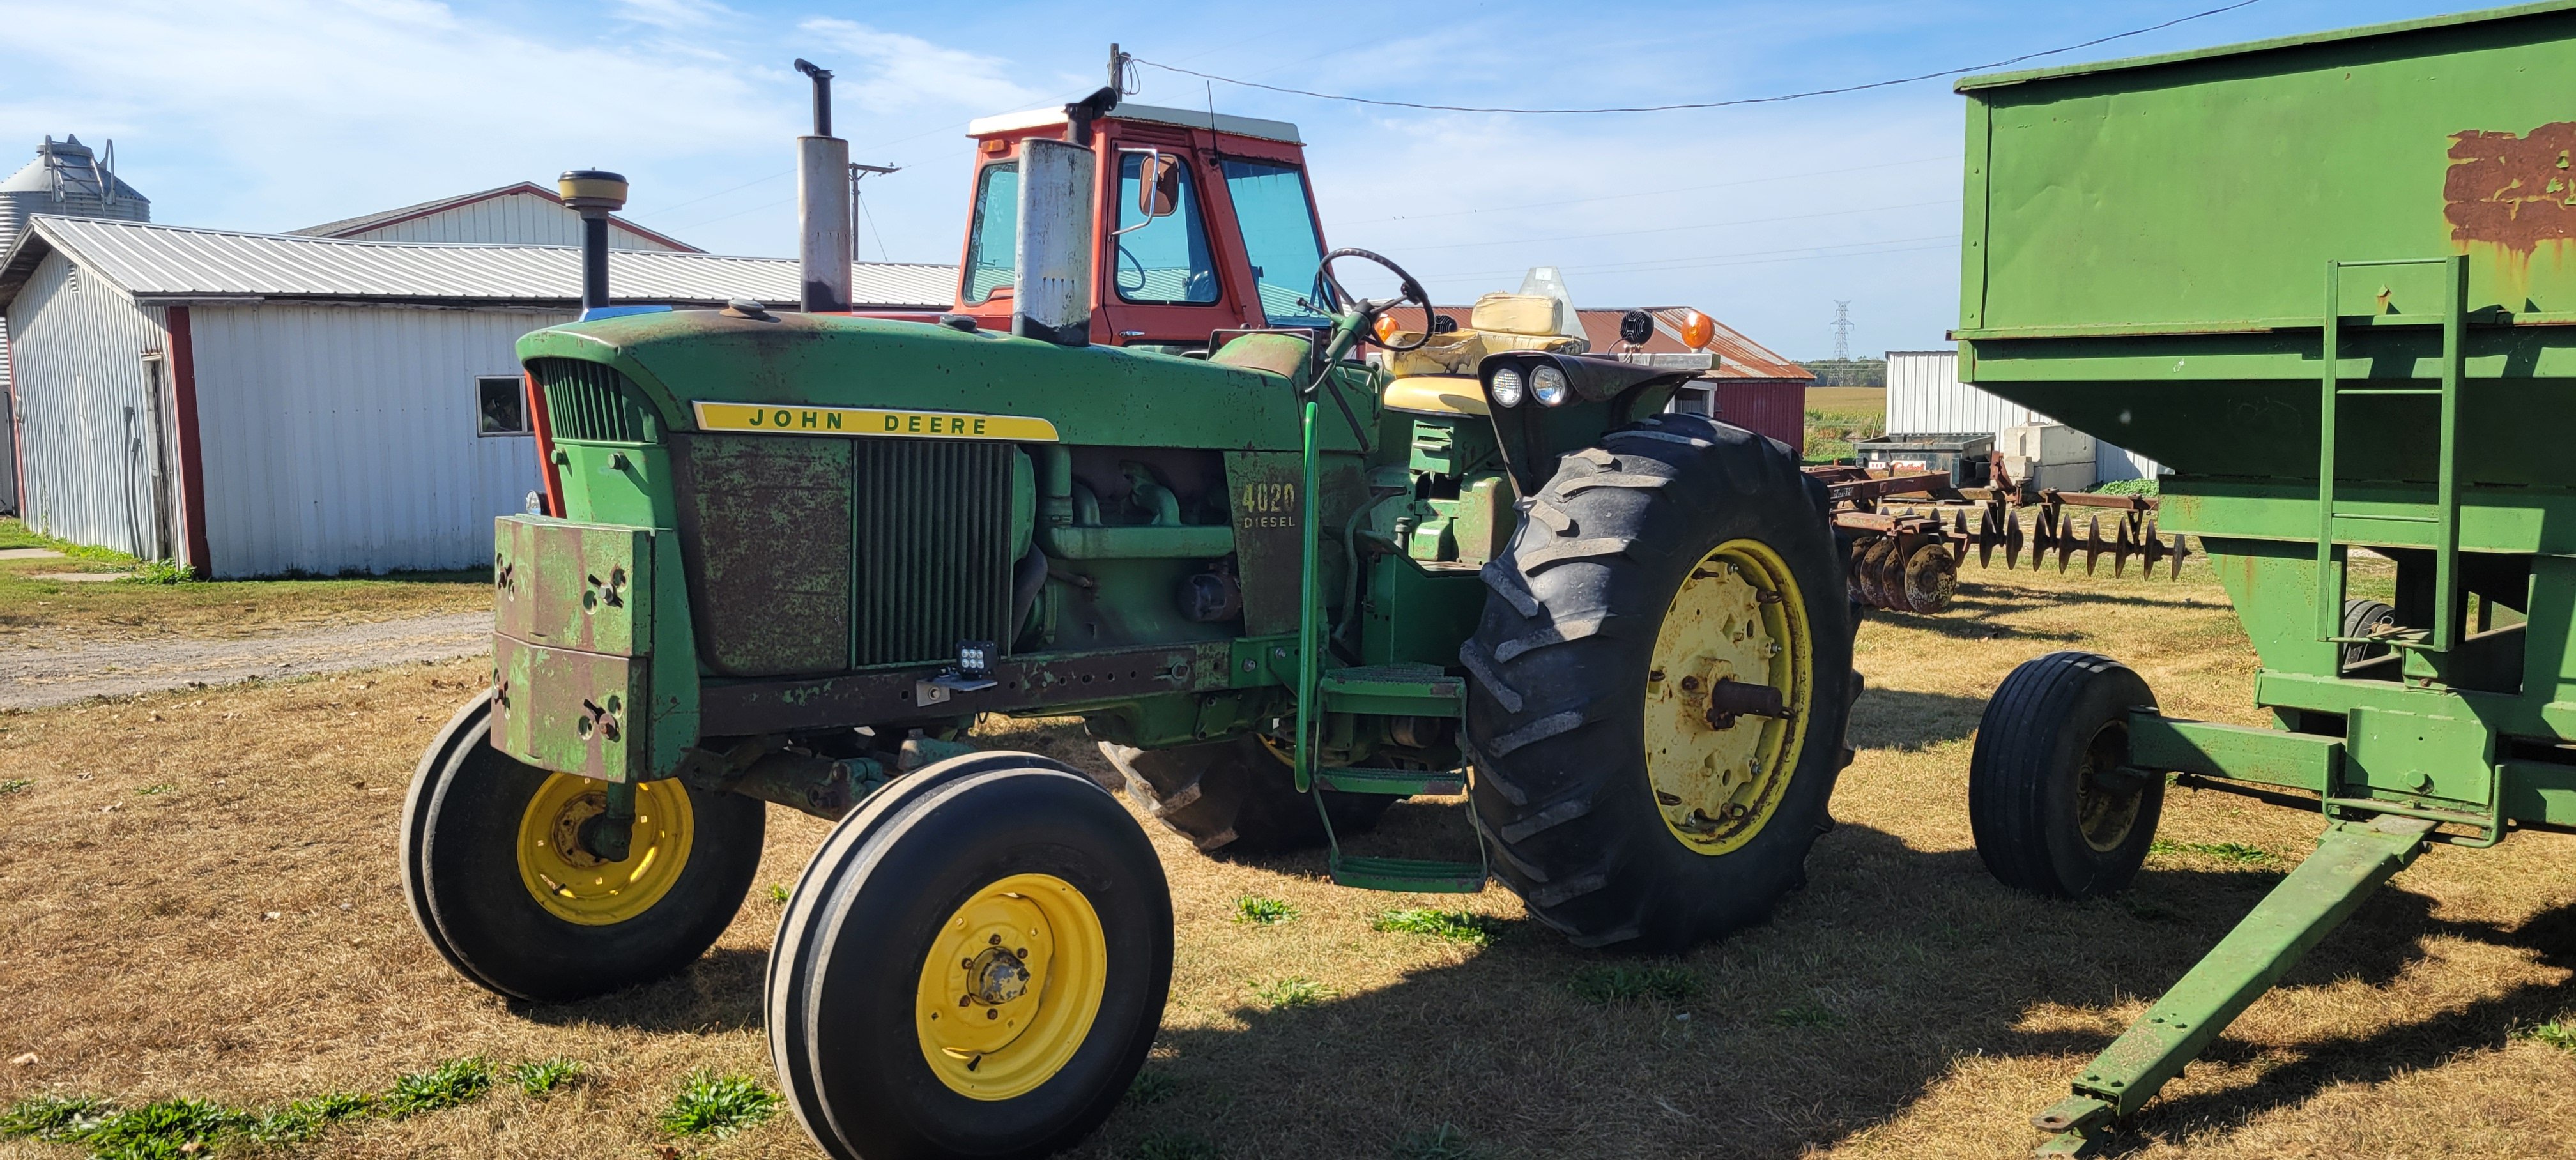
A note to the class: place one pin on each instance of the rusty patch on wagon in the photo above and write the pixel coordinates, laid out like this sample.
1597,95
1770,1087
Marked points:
2512,190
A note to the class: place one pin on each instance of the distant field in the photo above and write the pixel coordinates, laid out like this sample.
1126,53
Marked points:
1848,400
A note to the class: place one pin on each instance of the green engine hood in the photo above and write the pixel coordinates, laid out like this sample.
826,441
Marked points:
1092,395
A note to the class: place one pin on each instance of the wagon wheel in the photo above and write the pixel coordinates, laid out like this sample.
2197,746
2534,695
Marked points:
2054,804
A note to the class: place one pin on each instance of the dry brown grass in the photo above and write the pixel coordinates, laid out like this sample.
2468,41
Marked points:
51,613
1902,1005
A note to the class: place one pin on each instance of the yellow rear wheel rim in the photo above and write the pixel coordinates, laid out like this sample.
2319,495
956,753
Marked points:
1010,988
1738,616
579,887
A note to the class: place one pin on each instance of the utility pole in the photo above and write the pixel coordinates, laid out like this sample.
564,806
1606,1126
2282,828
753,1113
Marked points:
1842,372
858,171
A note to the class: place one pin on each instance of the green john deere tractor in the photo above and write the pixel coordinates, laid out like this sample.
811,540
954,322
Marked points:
1144,474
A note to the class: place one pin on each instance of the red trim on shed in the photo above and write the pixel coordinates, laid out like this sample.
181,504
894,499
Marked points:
543,425
17,445
192,471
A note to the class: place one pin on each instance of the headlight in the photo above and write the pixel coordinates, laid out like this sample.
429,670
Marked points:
1506,387
1548,383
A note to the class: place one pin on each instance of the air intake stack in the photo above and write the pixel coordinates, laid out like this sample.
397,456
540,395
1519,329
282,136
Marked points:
823,204
597,193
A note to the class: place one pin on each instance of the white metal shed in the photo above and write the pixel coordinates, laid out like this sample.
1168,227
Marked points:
1925,397
260,404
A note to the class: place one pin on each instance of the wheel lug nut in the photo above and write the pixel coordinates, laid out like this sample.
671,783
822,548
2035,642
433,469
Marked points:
1022,953
996,940
995,1013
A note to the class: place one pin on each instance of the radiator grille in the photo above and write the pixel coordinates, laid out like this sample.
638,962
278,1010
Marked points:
933,547
592,403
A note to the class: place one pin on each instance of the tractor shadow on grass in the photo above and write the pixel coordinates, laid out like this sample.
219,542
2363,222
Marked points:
722,991
1891,971
1904,719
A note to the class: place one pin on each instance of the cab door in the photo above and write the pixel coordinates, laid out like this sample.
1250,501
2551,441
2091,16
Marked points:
1168,271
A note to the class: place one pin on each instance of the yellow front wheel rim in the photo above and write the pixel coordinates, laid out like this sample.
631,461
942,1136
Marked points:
579,887
1738,619
1012,983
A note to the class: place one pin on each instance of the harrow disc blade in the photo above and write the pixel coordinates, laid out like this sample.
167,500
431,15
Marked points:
1931,578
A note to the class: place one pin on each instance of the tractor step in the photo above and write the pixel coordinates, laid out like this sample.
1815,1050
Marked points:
1414,875
1393,691
1399,782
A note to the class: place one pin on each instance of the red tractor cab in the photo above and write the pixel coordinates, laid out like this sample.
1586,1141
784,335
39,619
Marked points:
1202,222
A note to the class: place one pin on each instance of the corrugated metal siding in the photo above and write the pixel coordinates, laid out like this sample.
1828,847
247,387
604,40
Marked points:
85,414
342,438
516,218
1776,409
1925,397
167,260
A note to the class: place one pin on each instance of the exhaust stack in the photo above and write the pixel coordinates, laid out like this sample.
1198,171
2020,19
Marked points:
823,204
596,193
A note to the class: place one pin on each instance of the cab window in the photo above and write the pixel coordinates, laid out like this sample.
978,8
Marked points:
992,247
1162,260
1279,233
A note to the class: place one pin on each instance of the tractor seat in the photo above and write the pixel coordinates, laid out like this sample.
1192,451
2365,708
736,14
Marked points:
1436,395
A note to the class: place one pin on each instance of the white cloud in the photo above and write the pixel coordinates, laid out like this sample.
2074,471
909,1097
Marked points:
674,15
898,73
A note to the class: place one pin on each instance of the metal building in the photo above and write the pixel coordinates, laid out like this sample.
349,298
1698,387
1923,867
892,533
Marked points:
526,213
67,179
1925,397
261,404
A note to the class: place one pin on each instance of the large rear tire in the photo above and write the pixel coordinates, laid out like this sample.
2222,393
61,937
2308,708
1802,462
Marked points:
1682,567
500,886
974,964
1236,796
2051,800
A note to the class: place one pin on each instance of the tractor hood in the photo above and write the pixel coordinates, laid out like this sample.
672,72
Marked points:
835,373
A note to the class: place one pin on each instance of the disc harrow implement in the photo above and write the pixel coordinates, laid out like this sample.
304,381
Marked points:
1907,559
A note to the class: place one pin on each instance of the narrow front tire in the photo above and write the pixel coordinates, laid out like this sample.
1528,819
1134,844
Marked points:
974,964
502,887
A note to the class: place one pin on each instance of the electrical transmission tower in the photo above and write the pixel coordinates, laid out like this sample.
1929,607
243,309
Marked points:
1841,372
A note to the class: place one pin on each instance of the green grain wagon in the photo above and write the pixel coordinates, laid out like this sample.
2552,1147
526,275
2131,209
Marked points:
2330,281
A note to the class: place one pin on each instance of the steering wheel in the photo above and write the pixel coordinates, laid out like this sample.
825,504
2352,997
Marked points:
1409,290
1125,259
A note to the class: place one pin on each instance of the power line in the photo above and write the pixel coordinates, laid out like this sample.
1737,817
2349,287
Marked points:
1949,72
1415,217
1704,261
1795,217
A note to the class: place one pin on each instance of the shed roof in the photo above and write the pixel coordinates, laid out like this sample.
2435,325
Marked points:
346,227
172,262
1738,357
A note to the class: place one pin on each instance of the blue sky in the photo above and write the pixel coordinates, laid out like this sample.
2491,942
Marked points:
275,114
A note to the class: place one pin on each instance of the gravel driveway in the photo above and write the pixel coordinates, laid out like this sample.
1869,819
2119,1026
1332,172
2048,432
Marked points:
34,672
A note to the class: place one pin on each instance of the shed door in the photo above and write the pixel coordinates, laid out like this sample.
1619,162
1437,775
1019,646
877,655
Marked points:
162,457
